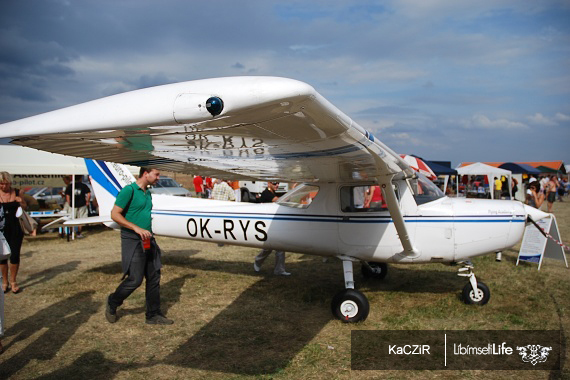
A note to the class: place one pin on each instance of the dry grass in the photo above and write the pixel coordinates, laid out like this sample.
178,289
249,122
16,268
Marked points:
233,323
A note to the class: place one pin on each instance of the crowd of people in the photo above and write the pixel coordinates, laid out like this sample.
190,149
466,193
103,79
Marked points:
218,189
547,188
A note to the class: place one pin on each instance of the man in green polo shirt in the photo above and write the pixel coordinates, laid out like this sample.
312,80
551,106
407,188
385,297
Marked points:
140,255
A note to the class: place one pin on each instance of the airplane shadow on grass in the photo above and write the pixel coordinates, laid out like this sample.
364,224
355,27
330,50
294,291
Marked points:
259,333
170,291
271,321
49,274
60,322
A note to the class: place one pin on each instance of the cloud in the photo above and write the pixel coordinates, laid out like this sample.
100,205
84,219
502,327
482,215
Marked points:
434,72
541,120
307,48
480,121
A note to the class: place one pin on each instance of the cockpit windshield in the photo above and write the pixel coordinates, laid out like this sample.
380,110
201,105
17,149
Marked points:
300,197
425,190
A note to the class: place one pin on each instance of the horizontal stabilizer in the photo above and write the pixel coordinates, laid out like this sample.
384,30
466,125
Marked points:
89,220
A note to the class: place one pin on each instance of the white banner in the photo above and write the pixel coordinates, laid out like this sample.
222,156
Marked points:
21,181
535,245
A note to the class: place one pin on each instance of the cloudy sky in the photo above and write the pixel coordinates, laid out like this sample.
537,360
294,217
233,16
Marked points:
485,80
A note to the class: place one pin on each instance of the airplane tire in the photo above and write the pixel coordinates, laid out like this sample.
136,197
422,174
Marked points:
350,306
376,270
481,298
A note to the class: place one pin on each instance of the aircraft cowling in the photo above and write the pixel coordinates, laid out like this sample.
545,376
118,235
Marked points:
483,226
535,213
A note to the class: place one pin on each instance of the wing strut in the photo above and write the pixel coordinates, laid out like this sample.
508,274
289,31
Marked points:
397,217
392,203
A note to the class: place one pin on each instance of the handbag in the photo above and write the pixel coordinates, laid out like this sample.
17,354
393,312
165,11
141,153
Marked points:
5,250
27,223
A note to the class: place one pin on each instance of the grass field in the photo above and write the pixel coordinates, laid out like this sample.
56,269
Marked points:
233,323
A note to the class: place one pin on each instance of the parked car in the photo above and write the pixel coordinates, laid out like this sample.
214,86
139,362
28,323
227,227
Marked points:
168,186
47,196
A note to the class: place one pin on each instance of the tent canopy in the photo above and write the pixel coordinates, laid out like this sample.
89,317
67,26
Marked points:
27,161
546,169
519,168
480,168
35,168
440,169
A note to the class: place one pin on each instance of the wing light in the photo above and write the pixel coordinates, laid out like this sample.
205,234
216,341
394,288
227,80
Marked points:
214,105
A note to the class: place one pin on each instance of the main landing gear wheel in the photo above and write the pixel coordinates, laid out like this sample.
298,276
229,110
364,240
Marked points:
480,297
374,270
350,306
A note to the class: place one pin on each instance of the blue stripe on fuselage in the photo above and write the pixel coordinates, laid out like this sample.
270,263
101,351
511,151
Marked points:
341,219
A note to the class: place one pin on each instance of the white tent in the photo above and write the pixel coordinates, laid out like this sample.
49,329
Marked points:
491,172
35,168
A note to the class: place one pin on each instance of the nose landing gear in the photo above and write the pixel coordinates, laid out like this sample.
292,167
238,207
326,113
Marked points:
474,292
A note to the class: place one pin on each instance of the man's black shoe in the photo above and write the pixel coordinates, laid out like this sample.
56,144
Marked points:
110,314
159,319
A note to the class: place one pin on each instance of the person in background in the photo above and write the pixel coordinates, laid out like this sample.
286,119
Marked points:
359,195
82,196
2,254
10,205
561,189
498,187
543,182
515,187
237,191
534,197
267,196
198,186
374,198
550,191
67,181
222,191
505,187
208,188
1,319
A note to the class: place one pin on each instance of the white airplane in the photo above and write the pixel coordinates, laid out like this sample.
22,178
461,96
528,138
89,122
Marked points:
279,129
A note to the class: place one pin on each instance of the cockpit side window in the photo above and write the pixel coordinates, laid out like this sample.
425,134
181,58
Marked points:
425,190
300,197
362,199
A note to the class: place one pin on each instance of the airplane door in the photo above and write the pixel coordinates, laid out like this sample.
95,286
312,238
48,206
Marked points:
366,229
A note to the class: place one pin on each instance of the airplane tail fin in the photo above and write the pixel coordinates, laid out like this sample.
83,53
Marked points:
107,180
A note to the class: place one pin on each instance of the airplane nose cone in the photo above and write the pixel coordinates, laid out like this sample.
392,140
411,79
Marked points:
534,213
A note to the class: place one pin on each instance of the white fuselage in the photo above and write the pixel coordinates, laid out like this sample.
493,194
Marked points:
445,230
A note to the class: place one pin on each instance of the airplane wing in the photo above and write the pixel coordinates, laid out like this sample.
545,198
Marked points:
233,128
